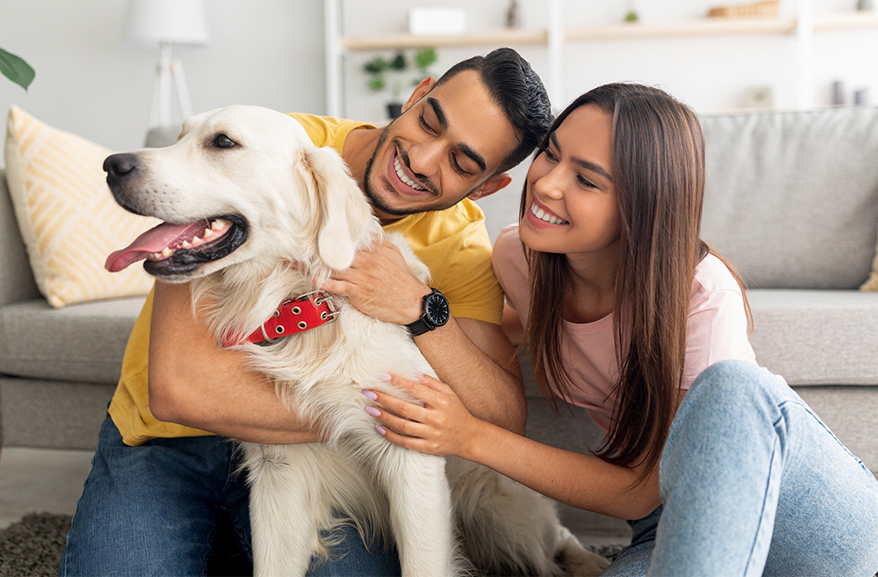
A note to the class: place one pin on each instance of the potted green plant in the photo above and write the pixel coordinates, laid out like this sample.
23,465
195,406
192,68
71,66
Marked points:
16,69
389,73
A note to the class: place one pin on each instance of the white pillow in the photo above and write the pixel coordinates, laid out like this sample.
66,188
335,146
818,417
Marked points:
67,216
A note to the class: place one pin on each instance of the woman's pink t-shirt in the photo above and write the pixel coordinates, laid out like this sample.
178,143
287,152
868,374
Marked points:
716,331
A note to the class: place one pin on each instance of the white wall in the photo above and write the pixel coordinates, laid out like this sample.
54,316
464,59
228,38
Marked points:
89,82
271,52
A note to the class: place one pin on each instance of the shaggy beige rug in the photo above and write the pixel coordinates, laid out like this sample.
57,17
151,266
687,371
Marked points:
33,547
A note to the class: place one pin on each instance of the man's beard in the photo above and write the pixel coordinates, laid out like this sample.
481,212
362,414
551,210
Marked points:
376,202
374,199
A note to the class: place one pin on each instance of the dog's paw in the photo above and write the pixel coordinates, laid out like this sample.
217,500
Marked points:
586,564
576,560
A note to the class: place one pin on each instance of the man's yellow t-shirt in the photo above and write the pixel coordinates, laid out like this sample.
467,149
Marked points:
454,243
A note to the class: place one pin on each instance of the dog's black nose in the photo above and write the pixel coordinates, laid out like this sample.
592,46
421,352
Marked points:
120,166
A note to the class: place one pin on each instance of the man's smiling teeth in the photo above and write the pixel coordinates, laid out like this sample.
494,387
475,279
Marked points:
218,225
402,176
542,215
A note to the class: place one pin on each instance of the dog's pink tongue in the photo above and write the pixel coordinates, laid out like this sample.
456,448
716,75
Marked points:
153,240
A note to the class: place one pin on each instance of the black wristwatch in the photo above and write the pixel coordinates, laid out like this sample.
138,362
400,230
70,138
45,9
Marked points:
436,314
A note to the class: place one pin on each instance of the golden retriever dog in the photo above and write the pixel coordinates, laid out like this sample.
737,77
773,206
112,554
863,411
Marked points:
243,193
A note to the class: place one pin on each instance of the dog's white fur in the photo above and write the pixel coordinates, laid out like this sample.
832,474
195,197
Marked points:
301,205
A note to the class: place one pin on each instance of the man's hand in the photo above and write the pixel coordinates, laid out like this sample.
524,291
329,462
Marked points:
380,284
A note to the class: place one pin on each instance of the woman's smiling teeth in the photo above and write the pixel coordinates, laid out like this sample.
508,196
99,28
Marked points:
544,216
402,176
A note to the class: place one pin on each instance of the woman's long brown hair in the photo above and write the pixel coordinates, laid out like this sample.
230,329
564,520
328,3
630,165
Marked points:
658,175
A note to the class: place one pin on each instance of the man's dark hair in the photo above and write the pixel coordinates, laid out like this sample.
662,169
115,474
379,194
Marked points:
518,90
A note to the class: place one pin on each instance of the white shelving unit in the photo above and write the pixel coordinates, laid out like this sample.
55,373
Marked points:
556,36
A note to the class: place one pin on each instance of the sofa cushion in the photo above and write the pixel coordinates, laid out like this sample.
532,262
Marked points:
83,342
17,280
810,337
67,216
791,198
816,337
52,414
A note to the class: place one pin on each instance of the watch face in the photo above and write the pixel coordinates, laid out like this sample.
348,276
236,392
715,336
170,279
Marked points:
436,309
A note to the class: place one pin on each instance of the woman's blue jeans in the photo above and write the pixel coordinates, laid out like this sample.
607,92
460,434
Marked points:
154,510
753,483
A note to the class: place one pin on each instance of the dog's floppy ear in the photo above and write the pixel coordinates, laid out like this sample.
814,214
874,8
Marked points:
343,215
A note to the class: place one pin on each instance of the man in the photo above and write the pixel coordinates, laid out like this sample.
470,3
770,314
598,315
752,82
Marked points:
164,470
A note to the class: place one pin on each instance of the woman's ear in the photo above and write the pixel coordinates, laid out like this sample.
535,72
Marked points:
421,90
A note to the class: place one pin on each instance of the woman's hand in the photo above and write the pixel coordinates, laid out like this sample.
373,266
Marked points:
443,426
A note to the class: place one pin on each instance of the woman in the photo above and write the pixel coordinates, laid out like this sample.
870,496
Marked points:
628,313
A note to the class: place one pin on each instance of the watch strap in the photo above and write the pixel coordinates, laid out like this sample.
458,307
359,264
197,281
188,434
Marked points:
419,327
423,324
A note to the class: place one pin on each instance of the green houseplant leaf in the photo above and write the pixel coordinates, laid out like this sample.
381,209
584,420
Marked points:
376,66
389,73
16,69
424,58
398,63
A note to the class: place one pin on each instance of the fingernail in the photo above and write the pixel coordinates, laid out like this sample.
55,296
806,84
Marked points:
384,377
419,373
381,430
373,411
370,395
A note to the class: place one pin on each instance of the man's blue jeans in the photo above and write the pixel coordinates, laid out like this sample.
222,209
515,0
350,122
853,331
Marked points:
753,483
153,510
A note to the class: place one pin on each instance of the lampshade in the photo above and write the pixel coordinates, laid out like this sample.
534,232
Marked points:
158,21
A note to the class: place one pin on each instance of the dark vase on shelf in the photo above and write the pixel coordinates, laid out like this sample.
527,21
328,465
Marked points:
394,109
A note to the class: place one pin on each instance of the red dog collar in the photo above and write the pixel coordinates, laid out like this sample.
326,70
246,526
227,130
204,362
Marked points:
293,316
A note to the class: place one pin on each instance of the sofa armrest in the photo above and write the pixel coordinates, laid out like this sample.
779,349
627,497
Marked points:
17,280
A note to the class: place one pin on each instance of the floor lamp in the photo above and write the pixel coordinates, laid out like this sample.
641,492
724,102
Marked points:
165,23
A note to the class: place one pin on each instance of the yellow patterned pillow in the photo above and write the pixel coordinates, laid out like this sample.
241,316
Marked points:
67,216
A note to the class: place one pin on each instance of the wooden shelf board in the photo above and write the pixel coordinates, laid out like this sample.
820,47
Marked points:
846,20
704,27
622,31
492,37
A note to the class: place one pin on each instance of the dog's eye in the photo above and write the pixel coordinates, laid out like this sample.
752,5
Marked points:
223,141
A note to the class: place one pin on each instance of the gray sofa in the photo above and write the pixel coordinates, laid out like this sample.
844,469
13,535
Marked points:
792,201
